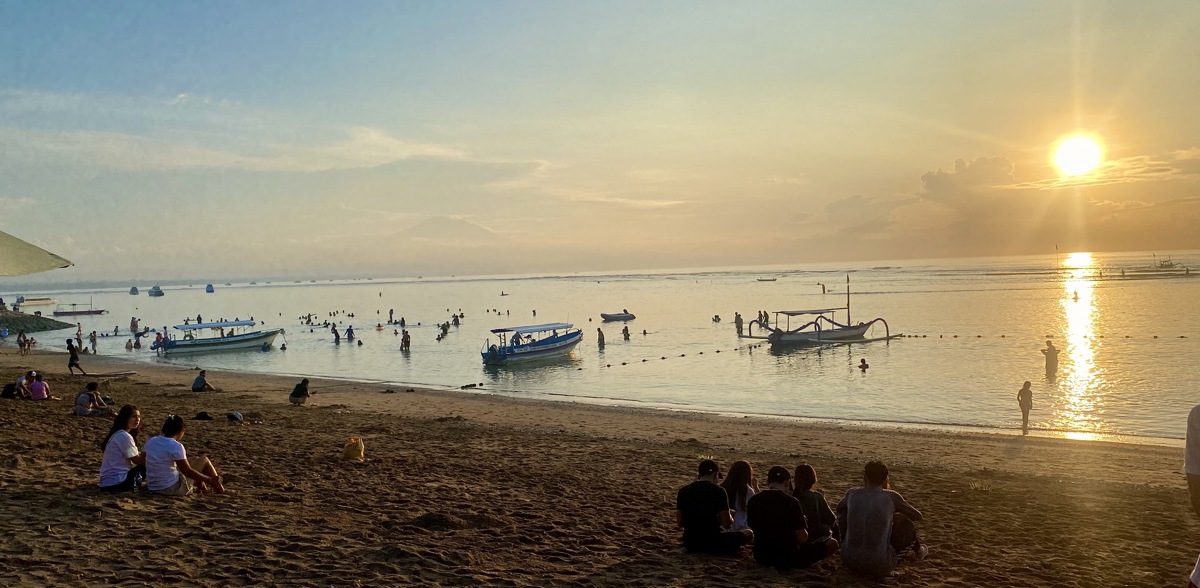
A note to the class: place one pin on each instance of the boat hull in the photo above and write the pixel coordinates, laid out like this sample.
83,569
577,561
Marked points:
617,316
242,342
552,348
811,337
79,312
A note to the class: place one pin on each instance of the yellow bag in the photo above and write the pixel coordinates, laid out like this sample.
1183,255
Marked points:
355,450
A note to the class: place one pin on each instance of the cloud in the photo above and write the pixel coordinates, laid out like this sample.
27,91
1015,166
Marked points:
1138,168
628,202
794,181
362,147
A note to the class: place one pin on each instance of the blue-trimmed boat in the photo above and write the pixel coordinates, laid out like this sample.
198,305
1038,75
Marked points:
531,342
231,341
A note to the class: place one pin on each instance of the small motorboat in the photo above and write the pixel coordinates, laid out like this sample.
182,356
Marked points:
531,342
624,315
133,291
767,279
155,292
209,289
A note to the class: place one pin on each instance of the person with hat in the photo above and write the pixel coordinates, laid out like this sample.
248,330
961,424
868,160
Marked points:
780,529
877,525
703,513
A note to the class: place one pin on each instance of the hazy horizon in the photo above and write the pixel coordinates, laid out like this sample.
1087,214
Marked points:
454,138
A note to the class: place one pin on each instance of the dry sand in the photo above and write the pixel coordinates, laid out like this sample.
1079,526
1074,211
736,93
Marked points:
470,489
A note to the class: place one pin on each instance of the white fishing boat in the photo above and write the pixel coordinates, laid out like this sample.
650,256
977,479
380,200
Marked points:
624,315
822,328
531,342
232,337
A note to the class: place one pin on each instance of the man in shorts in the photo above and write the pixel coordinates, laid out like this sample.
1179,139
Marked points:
703,512
877,525
780,529
73,362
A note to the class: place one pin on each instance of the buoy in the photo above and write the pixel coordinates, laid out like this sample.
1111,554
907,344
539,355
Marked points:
682,355
643,361
718,351
701,353
1156,336
622,363
663,357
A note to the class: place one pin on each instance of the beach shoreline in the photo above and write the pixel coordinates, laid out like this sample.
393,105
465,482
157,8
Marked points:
450,472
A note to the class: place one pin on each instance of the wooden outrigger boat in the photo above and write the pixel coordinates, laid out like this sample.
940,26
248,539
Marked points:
824,329
75,311
530,342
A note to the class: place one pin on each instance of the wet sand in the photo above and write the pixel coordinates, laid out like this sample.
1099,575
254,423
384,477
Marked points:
465,488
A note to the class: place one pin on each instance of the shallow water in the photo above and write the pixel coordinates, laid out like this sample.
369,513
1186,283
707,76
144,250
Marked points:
979,325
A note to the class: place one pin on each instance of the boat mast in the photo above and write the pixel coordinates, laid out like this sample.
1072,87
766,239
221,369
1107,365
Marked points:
848,299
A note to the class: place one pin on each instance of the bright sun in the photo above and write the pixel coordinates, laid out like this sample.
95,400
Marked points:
1077,155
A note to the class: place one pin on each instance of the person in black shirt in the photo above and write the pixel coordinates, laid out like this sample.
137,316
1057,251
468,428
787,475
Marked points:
703,512
780,530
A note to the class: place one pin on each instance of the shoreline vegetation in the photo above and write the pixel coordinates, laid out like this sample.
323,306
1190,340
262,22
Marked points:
468,488
19,321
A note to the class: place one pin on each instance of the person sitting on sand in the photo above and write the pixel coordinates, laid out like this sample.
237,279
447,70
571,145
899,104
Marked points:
877,525
703,512
23,385
122,463
781,537
300,393
200,384
168,469
739,486
40,390
822,523
89,402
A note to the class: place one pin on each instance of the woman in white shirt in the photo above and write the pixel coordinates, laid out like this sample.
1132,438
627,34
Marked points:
122,463
168,469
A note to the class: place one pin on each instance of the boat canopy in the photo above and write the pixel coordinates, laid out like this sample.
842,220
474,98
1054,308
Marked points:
534,328
217,325
814,311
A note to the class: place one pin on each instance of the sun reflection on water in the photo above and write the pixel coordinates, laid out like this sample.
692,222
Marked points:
1078,410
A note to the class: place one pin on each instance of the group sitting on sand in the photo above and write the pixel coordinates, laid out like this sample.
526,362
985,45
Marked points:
790,525
164,463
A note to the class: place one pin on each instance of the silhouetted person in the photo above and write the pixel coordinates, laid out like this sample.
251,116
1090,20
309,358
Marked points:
625,332
599,338
737,322
1051,353
862,365
1025,400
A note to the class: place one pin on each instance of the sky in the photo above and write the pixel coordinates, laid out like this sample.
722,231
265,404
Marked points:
180,140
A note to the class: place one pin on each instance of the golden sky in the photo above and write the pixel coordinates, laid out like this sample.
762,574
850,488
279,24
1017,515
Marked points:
394,138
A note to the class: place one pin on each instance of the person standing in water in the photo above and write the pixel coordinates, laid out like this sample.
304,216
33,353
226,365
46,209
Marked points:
599,338
1051,353
1025,400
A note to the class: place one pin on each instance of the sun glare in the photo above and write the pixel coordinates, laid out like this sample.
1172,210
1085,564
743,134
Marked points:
1077,155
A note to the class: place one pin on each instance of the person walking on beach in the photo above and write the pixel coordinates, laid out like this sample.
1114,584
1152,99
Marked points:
73,361
702,510
168,469
1191,467
1025,401
781,534
877,525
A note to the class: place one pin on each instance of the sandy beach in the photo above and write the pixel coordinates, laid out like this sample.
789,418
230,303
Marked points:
466,488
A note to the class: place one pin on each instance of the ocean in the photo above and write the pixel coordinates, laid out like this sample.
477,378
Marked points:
973,328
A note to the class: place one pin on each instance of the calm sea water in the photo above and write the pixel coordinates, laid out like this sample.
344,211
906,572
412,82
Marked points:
978,327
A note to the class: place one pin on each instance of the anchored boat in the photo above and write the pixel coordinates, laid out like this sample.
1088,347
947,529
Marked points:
531,342
230,338
76,311
624,315
155,292
822,329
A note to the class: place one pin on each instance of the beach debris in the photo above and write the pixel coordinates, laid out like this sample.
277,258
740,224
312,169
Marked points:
355,450
448,419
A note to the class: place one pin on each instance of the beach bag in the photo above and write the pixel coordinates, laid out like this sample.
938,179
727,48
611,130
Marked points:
355,450
10,391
